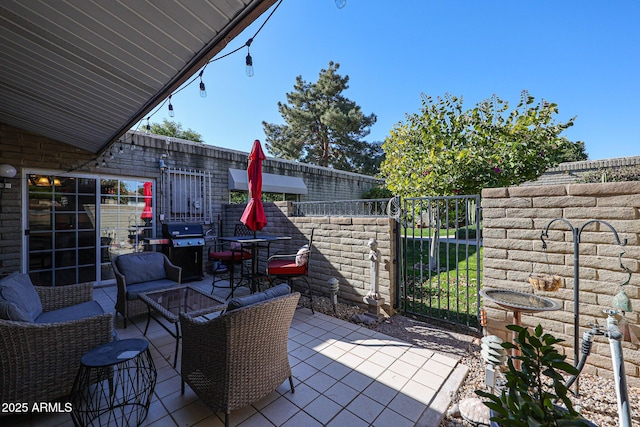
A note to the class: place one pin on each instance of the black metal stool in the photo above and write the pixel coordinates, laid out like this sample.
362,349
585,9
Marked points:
114,384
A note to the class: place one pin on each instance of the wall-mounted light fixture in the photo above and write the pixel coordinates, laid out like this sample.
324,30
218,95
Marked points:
6,171
162,165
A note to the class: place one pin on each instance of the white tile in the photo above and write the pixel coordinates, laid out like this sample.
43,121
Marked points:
437,368
350,360
382,359
419,392
320,381
336,370
302,338
191,414
357,380
389,417
302,419
407,406
370,369
333,351
365,408
319,361
346,418
392,379
403,368
341,393
279,411
303,395
302,371
381,393
323,409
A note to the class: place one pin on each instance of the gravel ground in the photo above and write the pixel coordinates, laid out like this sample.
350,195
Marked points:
597,398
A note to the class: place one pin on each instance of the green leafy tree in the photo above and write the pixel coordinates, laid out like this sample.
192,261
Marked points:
573,152
323,127
445,150
174,130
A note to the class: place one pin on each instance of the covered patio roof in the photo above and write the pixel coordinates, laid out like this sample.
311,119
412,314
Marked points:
83,72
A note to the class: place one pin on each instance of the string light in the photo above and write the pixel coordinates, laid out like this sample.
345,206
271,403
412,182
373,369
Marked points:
203,90
171,112
341,3
249,60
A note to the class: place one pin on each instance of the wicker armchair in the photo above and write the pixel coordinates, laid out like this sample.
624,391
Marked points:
141,272
39,361
239,357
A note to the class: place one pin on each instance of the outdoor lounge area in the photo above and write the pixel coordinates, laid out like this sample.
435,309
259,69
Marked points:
344,374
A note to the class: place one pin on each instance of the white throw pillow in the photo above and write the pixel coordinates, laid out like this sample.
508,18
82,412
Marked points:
302,257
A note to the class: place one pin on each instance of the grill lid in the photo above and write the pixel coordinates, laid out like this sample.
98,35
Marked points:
181,230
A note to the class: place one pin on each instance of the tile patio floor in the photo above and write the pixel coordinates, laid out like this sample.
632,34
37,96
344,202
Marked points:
344,375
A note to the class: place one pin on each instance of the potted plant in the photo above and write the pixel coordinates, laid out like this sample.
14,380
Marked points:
535,395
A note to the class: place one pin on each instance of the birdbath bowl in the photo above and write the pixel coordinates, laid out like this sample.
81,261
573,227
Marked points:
520,301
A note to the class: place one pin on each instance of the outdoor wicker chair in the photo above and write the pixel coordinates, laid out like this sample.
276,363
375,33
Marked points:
292,266
140,272
241,356
39,361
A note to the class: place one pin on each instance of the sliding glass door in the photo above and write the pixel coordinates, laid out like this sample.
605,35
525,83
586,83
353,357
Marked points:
75,225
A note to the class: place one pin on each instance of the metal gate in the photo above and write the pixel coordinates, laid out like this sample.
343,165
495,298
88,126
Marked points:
440,264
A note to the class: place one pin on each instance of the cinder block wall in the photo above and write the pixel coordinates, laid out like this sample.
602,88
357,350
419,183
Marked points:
570,172
513,219
340,244
28,151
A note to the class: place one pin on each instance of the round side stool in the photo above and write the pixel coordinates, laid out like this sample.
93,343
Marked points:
114,385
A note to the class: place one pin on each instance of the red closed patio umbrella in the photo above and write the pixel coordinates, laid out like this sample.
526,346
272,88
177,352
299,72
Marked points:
253,215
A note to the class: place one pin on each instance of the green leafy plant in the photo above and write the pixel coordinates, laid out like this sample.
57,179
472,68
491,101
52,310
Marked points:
532,395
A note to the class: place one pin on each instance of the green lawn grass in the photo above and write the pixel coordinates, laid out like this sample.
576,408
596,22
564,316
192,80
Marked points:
450,293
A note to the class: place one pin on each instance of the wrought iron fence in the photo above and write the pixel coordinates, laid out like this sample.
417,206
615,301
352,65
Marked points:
361,207
440,241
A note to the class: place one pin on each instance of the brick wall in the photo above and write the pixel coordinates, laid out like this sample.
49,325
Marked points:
570,172
340,244
27,151
513,219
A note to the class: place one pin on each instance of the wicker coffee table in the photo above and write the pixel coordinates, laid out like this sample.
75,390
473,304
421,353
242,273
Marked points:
169,303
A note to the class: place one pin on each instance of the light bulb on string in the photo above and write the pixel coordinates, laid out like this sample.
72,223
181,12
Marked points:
171,112
341,3
249,60
97,165
203,89
104,162
133,145
147,130
121,149
111,153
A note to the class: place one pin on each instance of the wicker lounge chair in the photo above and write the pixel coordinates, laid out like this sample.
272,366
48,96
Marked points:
241,356
142,272
39,361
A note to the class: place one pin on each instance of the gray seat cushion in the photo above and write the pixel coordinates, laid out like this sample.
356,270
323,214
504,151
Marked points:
142,267
19,300
154,285
74,312
276,291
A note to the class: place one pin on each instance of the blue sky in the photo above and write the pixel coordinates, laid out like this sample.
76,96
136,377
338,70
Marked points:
583,55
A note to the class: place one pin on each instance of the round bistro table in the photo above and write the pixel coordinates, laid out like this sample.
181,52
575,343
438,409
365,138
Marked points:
114,384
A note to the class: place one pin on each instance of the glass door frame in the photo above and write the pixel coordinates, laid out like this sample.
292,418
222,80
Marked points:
98,178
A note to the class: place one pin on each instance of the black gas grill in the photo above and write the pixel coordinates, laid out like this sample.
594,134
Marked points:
185,248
